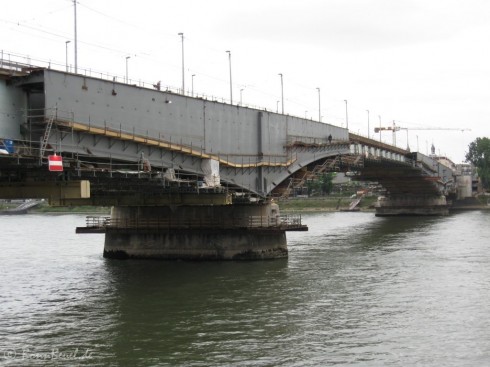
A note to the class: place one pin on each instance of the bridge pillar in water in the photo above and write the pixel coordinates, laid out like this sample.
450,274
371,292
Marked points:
196,232
400,205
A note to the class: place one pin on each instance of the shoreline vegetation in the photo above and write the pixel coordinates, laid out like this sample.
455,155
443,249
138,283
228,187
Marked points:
296,204
325,203
44,208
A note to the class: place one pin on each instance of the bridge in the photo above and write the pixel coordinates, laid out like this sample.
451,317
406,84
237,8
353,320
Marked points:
187,177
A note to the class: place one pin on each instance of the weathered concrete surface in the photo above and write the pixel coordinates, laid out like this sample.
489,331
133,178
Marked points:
411,205
196,244
222,232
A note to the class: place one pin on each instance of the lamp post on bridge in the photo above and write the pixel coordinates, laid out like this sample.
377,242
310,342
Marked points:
181,34
127,78
368,121
379,127
231,85
192,84
319,106
282,94
66,54
76,37
346,115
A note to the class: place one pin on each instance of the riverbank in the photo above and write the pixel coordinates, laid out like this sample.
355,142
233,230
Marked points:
314,204
327,203
336,203
44,208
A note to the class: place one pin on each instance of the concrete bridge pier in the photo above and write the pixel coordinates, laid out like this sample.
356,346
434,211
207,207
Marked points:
196,232
399,205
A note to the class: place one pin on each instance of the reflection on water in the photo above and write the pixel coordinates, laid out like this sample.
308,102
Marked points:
356,290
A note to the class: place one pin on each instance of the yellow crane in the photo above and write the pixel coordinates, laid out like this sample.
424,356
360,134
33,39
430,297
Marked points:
394,128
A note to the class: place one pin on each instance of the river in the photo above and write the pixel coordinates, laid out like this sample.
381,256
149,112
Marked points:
357,290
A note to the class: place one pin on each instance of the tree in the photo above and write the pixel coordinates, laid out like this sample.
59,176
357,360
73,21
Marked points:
326,183
479,156
322,184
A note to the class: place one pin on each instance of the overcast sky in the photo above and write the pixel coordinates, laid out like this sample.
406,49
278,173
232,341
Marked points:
420,63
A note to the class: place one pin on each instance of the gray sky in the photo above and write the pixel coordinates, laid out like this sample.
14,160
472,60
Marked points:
421,63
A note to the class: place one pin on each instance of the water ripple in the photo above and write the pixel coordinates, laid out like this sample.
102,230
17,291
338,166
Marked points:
357,290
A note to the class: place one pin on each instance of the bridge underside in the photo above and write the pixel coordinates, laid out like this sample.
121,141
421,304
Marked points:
409,190
398,178
155,218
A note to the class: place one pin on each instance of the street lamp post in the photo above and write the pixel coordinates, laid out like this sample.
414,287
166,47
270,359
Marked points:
241,95
183,75
192,85
231,85
379,127
127,78
282,94
66,54
346,115
319,106
76,38
368,122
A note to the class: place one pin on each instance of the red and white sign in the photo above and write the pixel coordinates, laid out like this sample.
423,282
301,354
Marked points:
55,163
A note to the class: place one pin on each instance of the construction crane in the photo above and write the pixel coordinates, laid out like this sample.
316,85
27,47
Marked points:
396,128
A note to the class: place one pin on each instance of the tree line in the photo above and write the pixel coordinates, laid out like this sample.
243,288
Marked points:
479,155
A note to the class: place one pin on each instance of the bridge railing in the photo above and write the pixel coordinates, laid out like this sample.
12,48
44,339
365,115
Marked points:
14,62
187,144
285,222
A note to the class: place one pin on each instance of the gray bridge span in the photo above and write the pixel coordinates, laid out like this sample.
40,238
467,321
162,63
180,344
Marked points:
139,150
100,121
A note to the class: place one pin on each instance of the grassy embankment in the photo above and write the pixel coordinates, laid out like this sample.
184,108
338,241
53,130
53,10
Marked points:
101,210
45,208
333,203
327,203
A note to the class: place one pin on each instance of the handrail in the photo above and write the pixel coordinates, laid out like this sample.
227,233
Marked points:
263,222
178,147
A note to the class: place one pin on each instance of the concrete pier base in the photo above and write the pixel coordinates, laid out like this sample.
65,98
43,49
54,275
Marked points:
411,205
228,232
196,244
